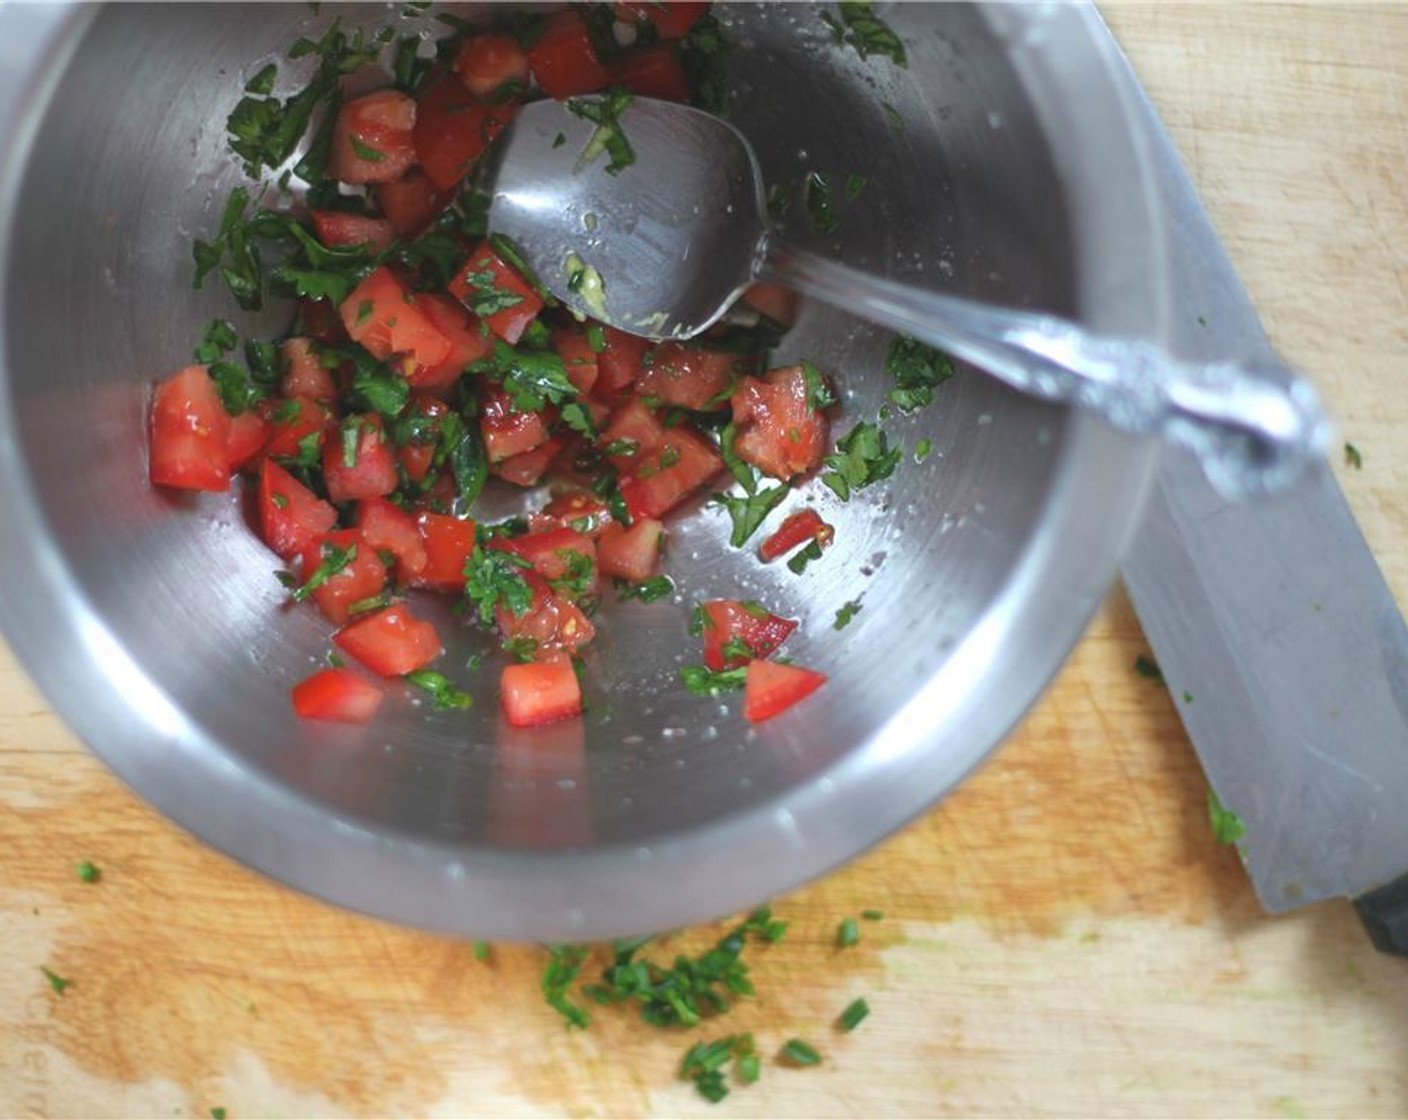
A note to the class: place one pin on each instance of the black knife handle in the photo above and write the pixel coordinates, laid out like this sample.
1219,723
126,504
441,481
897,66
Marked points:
1384,912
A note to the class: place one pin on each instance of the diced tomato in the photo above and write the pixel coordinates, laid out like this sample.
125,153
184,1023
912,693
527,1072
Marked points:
729,621
620,363
364,577
632,554
563,59
486,282
586,513
392,641
578,357
304,373
770,688
292,421
319,320
336,229
448,541
291,517
372,469
190,444
493,66
653,71
417,455
528,468
453,130
338,696
636,431
386,319
248,433
506,431
689,376
779,432
469,342
555,553
672,19
389,528
798,528
439,495
551,626
410,203
371,139
773,300
533,695
680,465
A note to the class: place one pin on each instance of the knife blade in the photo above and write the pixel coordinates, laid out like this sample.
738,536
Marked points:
1285,651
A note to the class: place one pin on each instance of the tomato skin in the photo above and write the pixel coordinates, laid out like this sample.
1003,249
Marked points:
550,552
291,517
506,432
552,622
673,19
335,229
381,123
759,629
797,528
249,432
488,62
292,421
620,363
391,641
563,59
528,467
448,541
337,696
453,130
305,375
535,694
770,689
410,203
386,319
653,71
509,323
190,433
388,528
578,357
469,342
689,376
653,489
364,577
773,300
778,430
631,554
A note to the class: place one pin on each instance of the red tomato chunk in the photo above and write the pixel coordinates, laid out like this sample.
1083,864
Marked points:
769,689
533,695
738,632
779,432
362,578
490,287
190,443
371,141
338,696
392,642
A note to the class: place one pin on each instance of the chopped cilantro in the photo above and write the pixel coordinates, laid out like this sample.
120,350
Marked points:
532,379
443,694
819,392
816,192
408,69
1227,826
863,457
798,1053
922,449
89,872
704,682
580,576
263,81
335,560
217,341
854,185
854,1015
576,416
485,297
750,511
1352,457
559,140
918,370
56,982
365,151
605,111
493,578
702,54
797,563
865,32
647,592
847,612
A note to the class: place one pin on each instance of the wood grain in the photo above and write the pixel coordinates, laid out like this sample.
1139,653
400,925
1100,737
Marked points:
1061,938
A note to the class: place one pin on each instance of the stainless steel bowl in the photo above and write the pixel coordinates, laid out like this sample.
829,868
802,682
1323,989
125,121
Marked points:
154,625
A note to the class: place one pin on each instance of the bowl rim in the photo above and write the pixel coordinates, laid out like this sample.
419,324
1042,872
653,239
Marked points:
734,862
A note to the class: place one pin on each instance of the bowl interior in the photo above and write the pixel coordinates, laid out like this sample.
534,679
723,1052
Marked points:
166,639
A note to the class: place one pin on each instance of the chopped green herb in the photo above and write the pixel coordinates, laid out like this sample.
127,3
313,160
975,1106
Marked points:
351,430
237,394
486,298
365,151
702,54
57,982
892,115
89,872
748,1068
1352,457
863,457
443,694
922,449
799,1053
564,963
263,82
854,185
559,140
481,950
580,576
704,682
1227,826
335,560
816,192
848,934
532,379
819,392
334,660
873,915
217,341
605,112
596,337
918,370
576,416
779,200
408,69
705,1063
1187,697
847,612
750,511
854,1015
797,563
1148,668
217,1113
647,592
865,32
494,578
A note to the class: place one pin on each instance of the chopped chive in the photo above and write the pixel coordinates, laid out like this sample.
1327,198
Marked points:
799,1053
852,1017
89,872
847,934
872,915
57,982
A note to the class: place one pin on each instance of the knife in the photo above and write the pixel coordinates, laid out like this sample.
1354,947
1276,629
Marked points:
1283,647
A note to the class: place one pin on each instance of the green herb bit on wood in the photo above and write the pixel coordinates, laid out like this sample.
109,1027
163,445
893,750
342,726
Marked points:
1352,457
57,982
89,872
797,1052
1148,668
855,1013
848,934
1227,826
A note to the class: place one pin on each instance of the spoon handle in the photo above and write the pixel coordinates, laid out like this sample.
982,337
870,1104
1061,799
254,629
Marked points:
1253,428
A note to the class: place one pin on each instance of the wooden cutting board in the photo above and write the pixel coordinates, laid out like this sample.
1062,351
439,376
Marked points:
1062,937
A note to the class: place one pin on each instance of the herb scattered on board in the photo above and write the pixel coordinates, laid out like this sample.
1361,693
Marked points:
89,872
1227,826
853,1015
705,1063
1352,457
872,915
848,934
1148,668
865,32
796,1052
481,950
56,982
218,1113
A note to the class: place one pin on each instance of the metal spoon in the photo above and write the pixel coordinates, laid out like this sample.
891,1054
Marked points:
662,247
